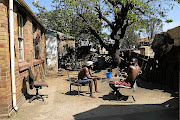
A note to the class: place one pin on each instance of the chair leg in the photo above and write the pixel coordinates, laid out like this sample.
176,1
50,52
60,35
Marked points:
89,89
36,97
126,101
78,89
133,98
70,89
117,95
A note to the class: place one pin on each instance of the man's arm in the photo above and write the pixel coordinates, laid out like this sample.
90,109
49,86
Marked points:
129,69
90,75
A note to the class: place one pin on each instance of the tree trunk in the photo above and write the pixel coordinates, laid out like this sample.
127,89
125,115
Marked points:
116,60
114,53
117,57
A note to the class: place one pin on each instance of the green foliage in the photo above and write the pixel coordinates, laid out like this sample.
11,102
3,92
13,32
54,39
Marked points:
152,27
130,39
63,18
87,18
168,21
178,1
59,18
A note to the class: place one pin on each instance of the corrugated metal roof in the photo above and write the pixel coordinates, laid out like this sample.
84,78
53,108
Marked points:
61,35
64,36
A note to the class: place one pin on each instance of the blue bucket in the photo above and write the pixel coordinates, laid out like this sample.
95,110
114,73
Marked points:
108,74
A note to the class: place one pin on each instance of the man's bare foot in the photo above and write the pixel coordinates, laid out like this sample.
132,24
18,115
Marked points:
92,96
97,91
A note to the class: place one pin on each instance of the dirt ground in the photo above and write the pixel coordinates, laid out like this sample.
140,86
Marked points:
150,104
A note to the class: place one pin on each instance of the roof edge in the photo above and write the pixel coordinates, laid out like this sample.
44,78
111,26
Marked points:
22,2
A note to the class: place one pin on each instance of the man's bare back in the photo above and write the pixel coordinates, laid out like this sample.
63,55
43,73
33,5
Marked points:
82,73
133,72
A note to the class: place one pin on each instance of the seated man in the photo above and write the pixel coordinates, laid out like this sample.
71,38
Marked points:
85,75
133,71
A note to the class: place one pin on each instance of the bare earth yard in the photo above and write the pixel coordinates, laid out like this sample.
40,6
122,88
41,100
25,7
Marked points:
151,104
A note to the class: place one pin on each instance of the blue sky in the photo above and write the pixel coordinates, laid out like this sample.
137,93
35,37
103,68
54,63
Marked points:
173,14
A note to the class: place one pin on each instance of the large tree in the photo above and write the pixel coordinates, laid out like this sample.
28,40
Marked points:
115,15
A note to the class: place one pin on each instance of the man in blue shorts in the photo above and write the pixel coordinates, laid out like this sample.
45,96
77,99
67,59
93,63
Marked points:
85,75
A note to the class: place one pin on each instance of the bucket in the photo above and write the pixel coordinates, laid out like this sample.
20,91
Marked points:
108,74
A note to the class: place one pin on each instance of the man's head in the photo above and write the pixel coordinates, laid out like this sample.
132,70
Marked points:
89,64
133,61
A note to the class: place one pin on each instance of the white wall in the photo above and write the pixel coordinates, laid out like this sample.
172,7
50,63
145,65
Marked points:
51,51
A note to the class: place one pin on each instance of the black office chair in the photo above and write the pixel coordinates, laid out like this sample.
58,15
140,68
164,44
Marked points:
36,84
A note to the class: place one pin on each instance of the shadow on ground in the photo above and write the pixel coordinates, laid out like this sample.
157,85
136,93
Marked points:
75,93
147,85
131,112
112,97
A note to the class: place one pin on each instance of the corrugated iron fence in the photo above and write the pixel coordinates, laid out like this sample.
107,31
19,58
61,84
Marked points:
163,71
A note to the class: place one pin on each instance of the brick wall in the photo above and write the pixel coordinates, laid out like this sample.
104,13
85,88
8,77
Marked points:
37,65
5,82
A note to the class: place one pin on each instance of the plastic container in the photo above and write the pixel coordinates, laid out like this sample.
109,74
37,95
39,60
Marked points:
108,74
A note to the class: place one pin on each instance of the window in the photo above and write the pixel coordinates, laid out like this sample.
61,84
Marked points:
36,43
20,37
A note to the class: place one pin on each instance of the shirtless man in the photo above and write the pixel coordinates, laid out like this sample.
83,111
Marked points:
85,75
132,73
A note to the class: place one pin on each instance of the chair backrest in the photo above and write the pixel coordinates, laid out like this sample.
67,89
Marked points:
71,79
120,73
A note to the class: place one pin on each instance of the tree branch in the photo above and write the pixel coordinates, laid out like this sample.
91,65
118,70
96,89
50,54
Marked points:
149,1
104,18
139,10
92,30
120,22
115,3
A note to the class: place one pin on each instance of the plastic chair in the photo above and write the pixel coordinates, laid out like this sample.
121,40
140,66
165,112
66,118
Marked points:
126,87
123,75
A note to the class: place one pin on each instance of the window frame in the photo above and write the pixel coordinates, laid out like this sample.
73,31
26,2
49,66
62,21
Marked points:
37,42
34,41
20,37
